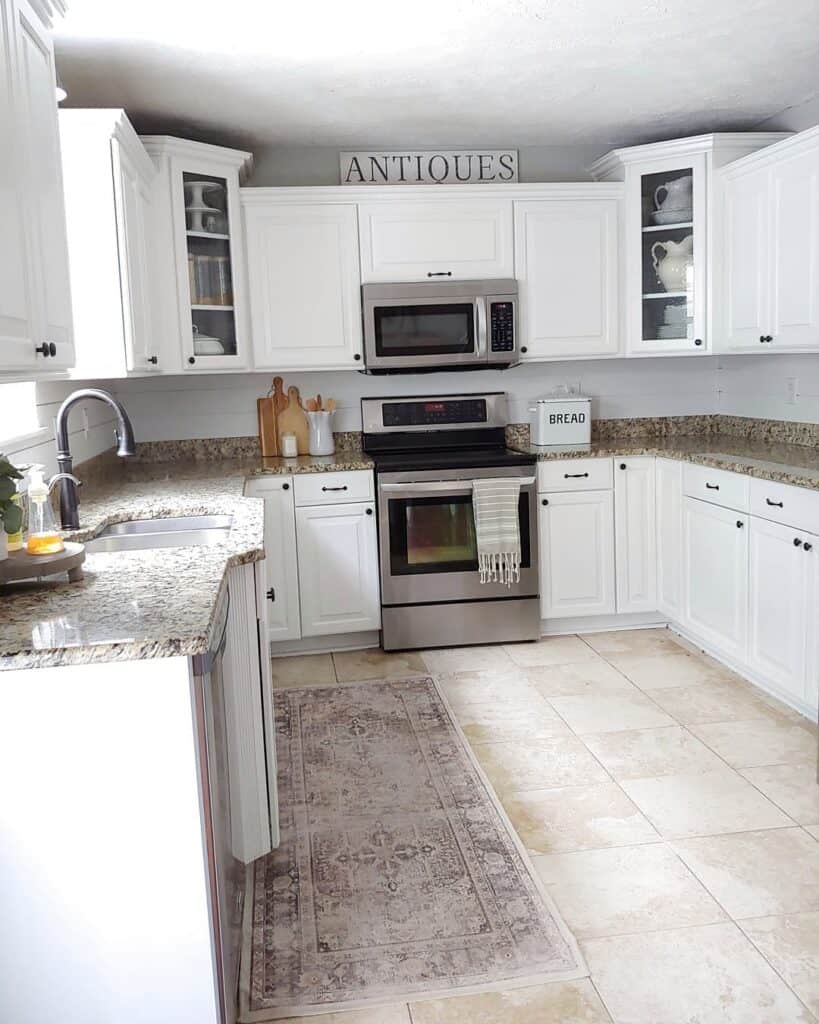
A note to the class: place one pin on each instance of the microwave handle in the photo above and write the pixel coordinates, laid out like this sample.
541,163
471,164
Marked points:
448,486
480,309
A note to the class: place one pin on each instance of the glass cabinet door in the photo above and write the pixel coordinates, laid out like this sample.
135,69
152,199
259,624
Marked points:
671,258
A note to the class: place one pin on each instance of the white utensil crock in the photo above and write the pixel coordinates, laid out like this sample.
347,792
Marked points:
322,441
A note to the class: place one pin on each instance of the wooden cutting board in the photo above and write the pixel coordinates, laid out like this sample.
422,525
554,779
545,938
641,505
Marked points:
293,420
268,409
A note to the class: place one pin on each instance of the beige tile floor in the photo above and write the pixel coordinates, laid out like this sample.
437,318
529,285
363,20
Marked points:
671,810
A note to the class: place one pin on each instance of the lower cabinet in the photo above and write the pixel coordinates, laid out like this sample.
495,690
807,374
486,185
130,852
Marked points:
635,535
281,564
338,569
669,536
576,554
783,607
715,546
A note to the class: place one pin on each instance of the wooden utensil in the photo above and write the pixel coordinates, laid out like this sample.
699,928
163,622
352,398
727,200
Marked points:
312,405
318,403
330,405
293,420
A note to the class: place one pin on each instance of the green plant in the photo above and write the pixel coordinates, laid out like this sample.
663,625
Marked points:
11,514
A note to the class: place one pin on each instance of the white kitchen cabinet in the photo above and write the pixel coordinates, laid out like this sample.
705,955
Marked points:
783,608
200,286
436,239
576,530
108,192
566,263
669,537
635,535
304,283
35,301
715,578
771,241
281,589
338,569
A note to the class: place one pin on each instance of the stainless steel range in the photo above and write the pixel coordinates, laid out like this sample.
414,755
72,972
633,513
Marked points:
427,452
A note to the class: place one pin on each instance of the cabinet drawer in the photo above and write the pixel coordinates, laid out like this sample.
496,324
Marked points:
333,488
574,475
717,486
793,506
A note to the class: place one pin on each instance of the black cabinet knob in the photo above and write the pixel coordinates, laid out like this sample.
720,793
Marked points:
544,501
762,339
271,595
807,546
797,543
48,348
740,524
369,511
523,348
285,487
697,341
357,356
768,337
191,360
153,359
622,465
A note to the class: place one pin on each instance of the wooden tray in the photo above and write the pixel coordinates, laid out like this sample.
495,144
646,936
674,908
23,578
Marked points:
22,566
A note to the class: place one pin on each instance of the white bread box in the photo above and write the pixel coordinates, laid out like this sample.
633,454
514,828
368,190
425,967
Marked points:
561,419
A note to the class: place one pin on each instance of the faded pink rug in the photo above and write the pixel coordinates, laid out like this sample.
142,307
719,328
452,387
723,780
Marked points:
398,875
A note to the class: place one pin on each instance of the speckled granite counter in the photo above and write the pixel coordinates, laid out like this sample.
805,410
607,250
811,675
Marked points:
152,603
768,460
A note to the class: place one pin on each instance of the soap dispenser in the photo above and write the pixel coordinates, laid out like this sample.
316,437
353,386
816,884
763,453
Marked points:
43,536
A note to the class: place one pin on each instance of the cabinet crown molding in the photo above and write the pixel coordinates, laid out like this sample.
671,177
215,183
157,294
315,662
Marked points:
786,146
170,145
353,194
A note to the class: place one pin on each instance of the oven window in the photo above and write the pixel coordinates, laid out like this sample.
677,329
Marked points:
434,535
425,330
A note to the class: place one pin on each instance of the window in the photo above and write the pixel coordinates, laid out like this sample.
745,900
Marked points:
18,410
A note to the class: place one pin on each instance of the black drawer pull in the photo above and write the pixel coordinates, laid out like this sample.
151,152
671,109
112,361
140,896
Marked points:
439,273
773,504
712,487
574,476
807,546
344,488
271,595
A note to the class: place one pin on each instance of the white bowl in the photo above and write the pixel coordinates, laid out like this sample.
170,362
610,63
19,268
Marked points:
204,346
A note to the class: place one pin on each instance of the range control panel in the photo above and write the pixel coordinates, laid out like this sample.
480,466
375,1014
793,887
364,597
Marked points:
433,412
501,326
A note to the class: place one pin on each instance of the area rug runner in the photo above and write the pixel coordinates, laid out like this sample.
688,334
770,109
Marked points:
398,875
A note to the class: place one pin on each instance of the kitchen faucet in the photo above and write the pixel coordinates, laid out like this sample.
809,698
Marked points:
69,499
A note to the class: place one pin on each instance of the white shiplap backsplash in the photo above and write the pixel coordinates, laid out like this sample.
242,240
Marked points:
758,386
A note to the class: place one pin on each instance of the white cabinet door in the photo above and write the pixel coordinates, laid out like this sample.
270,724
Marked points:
17,327
338,569
132,196
747,230
566,265
669,536
794,200
437,239
305,294
782,604
715,544
281,594
634,532
44,188
576,554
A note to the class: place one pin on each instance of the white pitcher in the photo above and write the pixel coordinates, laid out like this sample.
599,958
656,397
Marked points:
322,441
672,262
678,194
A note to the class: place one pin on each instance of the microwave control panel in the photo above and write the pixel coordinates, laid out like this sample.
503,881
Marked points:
501,326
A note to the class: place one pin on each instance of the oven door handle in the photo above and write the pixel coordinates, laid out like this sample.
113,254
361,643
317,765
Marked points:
480,309
439,486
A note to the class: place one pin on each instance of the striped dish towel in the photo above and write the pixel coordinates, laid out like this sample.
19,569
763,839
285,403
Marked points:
495,503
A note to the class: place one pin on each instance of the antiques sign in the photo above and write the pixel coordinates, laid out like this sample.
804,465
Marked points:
429,167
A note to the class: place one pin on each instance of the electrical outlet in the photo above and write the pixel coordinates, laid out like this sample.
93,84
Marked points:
792,390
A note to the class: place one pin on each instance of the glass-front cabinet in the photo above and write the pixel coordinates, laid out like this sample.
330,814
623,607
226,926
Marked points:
666,236
201,185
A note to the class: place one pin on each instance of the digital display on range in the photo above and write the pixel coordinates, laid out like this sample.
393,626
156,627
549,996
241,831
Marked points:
422,414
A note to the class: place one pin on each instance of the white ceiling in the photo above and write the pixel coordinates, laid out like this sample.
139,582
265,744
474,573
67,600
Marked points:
441,72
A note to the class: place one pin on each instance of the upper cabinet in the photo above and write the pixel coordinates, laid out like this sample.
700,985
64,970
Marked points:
305,286
36,334
199,281
566,263
671,265
108,193
436,239
771,243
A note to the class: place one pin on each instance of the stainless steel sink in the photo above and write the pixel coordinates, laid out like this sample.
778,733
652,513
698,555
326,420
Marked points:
172,532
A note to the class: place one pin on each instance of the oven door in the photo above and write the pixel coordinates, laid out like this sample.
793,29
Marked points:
428,549
424,332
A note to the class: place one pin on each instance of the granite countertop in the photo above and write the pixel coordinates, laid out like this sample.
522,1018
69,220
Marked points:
768,460
151,603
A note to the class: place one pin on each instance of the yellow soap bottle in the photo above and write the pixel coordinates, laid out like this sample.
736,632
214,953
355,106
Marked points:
43,536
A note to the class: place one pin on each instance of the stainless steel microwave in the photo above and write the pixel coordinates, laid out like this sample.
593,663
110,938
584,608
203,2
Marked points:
463,325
